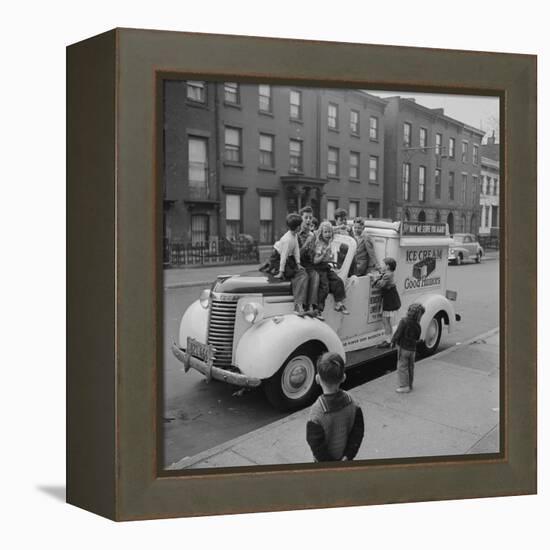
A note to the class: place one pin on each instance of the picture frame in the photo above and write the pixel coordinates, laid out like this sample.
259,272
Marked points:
114,274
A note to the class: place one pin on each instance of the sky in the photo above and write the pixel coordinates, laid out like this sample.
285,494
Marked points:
479,111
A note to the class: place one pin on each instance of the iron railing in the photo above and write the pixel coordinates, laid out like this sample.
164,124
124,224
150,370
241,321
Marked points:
489,241
216,251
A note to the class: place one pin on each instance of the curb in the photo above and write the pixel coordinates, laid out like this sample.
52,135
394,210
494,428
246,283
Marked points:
218,449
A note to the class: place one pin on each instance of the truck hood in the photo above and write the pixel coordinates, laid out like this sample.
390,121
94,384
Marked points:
252,282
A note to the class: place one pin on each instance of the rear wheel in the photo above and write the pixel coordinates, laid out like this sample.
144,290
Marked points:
433,336
293,386
478,257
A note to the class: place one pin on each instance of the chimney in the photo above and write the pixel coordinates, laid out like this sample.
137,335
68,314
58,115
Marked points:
491,140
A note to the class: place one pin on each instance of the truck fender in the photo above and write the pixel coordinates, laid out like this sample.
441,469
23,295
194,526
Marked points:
433,304
194,323
265,346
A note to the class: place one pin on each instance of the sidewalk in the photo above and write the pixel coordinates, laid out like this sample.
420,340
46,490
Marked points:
204,276
453,410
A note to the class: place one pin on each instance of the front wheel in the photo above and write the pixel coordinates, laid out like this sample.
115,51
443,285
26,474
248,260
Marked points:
459,259
433,336
293,386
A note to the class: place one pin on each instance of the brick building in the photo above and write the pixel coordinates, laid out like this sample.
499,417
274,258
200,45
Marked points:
239,157
490,187
432,166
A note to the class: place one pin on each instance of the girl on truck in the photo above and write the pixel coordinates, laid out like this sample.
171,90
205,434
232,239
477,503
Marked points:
321,261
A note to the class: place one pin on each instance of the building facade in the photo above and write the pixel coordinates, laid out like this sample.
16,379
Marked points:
239,157
432,166
490,188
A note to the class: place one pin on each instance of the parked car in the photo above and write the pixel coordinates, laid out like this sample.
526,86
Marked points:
465,248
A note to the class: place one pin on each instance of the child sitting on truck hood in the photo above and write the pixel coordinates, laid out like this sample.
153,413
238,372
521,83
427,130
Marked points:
321,261
284,262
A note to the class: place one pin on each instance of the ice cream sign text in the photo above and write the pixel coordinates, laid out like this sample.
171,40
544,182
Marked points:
424,264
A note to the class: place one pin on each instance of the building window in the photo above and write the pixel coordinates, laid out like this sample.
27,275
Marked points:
196,90
373,169
354,166
199,228
438,144
296,164
437,183
406,181
332,205
452,148
437,217
198,163
475,183
464,187
491,188
231,93
451,186
373,210
333,116
232,144
354,122
497,190
232,216
333,162
421,183
266,220
373,128
353,209
423,138
407,131
266,151
295,105
264,91
464,151
475,154
484,185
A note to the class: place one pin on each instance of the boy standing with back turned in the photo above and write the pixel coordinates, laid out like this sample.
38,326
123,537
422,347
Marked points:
335,427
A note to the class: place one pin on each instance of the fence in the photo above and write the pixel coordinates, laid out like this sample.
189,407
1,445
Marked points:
489,241
220,251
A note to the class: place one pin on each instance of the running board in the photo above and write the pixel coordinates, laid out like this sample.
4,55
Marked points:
360,356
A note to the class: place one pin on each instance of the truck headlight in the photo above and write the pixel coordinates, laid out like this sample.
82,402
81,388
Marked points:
204,298
252,312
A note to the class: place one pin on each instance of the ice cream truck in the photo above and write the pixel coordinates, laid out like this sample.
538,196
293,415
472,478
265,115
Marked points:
244,331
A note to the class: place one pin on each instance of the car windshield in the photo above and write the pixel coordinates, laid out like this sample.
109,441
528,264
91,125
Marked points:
459,238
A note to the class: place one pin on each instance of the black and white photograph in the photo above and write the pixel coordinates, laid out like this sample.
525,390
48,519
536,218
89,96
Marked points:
331,274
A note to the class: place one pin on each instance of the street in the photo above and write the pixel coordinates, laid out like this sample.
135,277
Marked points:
200,415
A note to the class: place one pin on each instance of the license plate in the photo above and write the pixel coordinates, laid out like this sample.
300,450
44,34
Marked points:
199,350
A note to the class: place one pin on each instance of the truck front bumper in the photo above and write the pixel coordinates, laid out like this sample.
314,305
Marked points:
209,371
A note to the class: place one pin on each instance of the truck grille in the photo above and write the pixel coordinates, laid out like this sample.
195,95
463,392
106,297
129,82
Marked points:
221,329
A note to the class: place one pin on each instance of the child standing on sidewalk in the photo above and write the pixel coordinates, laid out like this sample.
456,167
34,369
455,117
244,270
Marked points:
390,298
406,337
335,427
285,262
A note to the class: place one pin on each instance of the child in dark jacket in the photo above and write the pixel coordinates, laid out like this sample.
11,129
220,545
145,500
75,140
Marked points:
390,298
335,427
406,337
